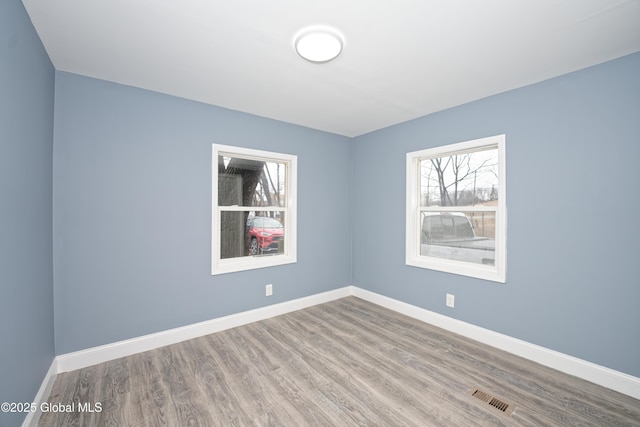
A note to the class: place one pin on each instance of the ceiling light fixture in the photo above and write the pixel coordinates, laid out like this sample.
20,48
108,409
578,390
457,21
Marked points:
318,44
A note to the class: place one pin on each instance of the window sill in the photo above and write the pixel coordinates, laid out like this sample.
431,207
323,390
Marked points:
468,269
233,265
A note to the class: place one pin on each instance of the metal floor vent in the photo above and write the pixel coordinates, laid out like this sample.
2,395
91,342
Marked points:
494,402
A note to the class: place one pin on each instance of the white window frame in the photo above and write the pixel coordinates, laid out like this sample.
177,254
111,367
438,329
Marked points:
229,265
496,272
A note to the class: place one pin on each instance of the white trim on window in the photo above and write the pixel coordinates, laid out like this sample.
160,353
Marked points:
228,265
496,272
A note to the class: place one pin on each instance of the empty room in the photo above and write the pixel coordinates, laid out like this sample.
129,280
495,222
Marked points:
338,213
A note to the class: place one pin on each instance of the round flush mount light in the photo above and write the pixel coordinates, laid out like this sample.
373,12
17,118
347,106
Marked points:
318,44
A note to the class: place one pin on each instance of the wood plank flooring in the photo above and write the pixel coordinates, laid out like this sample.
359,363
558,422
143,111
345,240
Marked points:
344,363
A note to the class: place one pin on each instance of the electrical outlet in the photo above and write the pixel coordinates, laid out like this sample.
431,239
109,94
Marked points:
451,300
269,290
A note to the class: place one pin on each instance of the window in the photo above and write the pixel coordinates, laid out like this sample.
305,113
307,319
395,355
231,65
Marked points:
254,209
456,214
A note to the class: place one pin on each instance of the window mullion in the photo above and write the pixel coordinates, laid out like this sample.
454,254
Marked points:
477,208
235,208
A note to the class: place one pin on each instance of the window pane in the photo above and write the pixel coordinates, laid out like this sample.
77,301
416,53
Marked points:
245,182
460,236
466,179
251,233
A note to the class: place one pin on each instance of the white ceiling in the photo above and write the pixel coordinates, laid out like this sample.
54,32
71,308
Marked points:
402,59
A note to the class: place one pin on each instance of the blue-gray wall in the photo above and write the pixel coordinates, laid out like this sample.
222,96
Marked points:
132,212
26,137
573,198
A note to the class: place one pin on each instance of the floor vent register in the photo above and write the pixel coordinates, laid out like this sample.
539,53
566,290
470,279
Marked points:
492,401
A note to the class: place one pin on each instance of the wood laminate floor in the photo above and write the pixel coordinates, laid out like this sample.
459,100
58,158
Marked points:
344,363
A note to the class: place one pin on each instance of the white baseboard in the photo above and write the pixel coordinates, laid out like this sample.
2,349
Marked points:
92,356
609,378
606,377
42,395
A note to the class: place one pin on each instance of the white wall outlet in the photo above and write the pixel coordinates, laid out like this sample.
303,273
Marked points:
269,290
451,300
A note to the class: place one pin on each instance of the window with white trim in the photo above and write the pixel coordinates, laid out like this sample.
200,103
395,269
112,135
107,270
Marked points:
456,211
253,209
